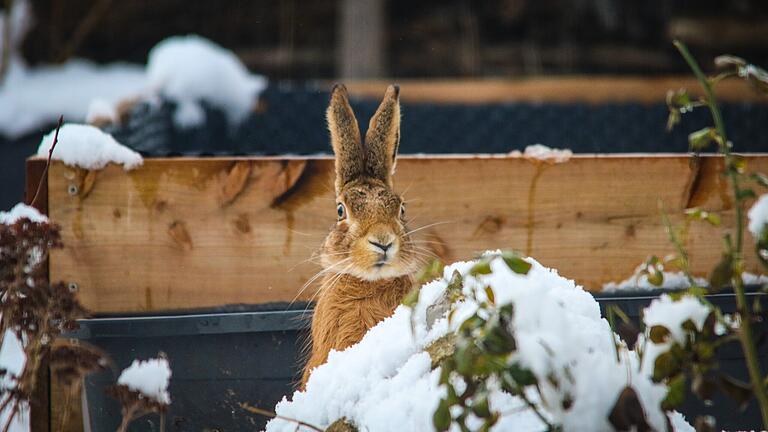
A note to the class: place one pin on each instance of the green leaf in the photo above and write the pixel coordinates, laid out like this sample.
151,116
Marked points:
675,393
456,282
656,277
739,391
702,138
739,163
441,419
761,179
481,408
746,194
432,271
658,334
699,214
721,274
520,375
627,413
713,219
666,365
673,119
516,263
482,267
412,298
490,295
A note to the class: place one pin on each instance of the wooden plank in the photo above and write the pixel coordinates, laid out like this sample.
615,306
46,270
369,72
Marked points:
40,415
556,89
166,236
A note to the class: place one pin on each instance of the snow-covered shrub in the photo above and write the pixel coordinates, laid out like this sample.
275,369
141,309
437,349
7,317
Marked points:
690,359
33,313
513,346
142,388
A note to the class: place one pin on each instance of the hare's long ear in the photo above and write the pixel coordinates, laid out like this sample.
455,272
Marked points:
345,138
383,137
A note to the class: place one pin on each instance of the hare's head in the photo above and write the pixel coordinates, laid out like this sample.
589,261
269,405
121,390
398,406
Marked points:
369,240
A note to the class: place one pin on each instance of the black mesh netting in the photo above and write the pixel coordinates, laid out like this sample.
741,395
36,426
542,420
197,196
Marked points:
292,122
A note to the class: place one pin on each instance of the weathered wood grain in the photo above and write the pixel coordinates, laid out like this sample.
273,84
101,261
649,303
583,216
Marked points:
159,237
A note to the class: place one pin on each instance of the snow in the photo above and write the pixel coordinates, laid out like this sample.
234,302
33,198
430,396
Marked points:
541,152
672,280
13,359
671,314
20,211
188,69
384,382
148,377
101,110
88,147
31,98
758,216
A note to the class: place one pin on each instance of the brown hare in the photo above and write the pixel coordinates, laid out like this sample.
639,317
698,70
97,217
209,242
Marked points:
368,258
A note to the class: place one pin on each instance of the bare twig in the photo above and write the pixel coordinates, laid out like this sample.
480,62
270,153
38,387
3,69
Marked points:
84,27
259,411
44,177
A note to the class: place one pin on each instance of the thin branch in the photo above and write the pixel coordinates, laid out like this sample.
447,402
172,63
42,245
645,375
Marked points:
265,413
44,177
745,331
84,28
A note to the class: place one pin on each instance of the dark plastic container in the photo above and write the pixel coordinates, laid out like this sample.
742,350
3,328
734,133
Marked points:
730,357
223,359
218,360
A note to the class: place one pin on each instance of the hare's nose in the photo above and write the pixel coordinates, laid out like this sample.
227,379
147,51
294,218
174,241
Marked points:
384,247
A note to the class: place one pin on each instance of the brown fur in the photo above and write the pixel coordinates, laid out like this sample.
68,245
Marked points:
362,283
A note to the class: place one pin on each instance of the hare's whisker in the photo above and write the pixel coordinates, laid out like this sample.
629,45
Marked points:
427,226
317,275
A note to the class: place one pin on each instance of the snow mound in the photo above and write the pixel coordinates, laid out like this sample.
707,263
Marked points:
88,147
672,280
385,382
33,98
185,69
540,152
20,211
639,282
12,359
190,69
149,378
758,216
672,314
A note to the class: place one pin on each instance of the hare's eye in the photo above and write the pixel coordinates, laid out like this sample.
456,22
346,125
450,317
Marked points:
402,211
341,211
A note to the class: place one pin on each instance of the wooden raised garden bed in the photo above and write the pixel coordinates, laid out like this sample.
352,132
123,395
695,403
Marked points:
181,233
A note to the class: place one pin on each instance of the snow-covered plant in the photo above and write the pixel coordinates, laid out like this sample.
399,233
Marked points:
500,343
34,312
142,388
691,359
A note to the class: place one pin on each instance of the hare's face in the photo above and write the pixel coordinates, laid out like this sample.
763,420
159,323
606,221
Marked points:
370,240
